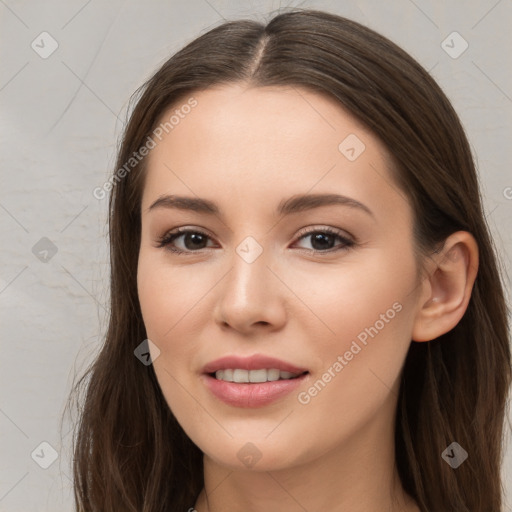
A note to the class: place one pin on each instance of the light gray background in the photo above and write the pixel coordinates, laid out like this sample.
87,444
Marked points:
61,119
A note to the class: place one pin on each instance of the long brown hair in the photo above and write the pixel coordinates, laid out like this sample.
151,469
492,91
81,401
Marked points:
130,453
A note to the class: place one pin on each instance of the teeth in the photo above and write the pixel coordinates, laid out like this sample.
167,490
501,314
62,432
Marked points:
246,376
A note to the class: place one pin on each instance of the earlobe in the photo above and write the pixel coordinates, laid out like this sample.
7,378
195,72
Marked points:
448,287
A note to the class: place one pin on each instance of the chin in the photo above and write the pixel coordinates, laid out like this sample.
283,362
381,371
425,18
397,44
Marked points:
257,456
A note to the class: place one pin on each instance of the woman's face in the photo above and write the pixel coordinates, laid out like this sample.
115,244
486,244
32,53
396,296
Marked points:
260,276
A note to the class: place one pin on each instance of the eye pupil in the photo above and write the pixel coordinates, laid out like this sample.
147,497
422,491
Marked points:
322,238
196,238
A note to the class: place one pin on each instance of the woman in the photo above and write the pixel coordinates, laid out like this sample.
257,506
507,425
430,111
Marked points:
306,310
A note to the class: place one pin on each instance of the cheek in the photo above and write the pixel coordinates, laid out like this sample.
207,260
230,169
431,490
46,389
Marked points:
341,302
360,368
366,312
175,307
166,295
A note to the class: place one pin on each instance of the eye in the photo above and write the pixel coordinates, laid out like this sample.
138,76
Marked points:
322,240
191,238
194,240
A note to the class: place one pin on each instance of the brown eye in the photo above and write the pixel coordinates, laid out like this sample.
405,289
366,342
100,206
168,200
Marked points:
192,240
323,240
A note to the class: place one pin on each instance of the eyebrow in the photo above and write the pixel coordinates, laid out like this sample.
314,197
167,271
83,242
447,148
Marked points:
294,204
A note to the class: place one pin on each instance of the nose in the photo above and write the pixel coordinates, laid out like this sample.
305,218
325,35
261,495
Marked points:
251,297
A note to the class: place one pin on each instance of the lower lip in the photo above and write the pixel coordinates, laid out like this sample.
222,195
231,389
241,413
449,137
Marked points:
257,394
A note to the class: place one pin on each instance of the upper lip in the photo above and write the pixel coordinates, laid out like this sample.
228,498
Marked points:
255,362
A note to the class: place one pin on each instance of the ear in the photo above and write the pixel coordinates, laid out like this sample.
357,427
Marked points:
447,288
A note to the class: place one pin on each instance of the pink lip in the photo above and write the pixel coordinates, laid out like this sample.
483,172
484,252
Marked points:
255,362
251,394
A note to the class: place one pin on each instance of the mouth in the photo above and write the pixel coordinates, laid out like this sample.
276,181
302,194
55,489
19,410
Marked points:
253,381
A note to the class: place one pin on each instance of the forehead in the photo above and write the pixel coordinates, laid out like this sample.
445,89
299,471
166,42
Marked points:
248,146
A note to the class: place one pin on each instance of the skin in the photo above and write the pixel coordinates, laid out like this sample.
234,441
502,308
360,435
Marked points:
247,149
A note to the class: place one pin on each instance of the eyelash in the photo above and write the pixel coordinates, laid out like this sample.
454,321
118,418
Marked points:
166,240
